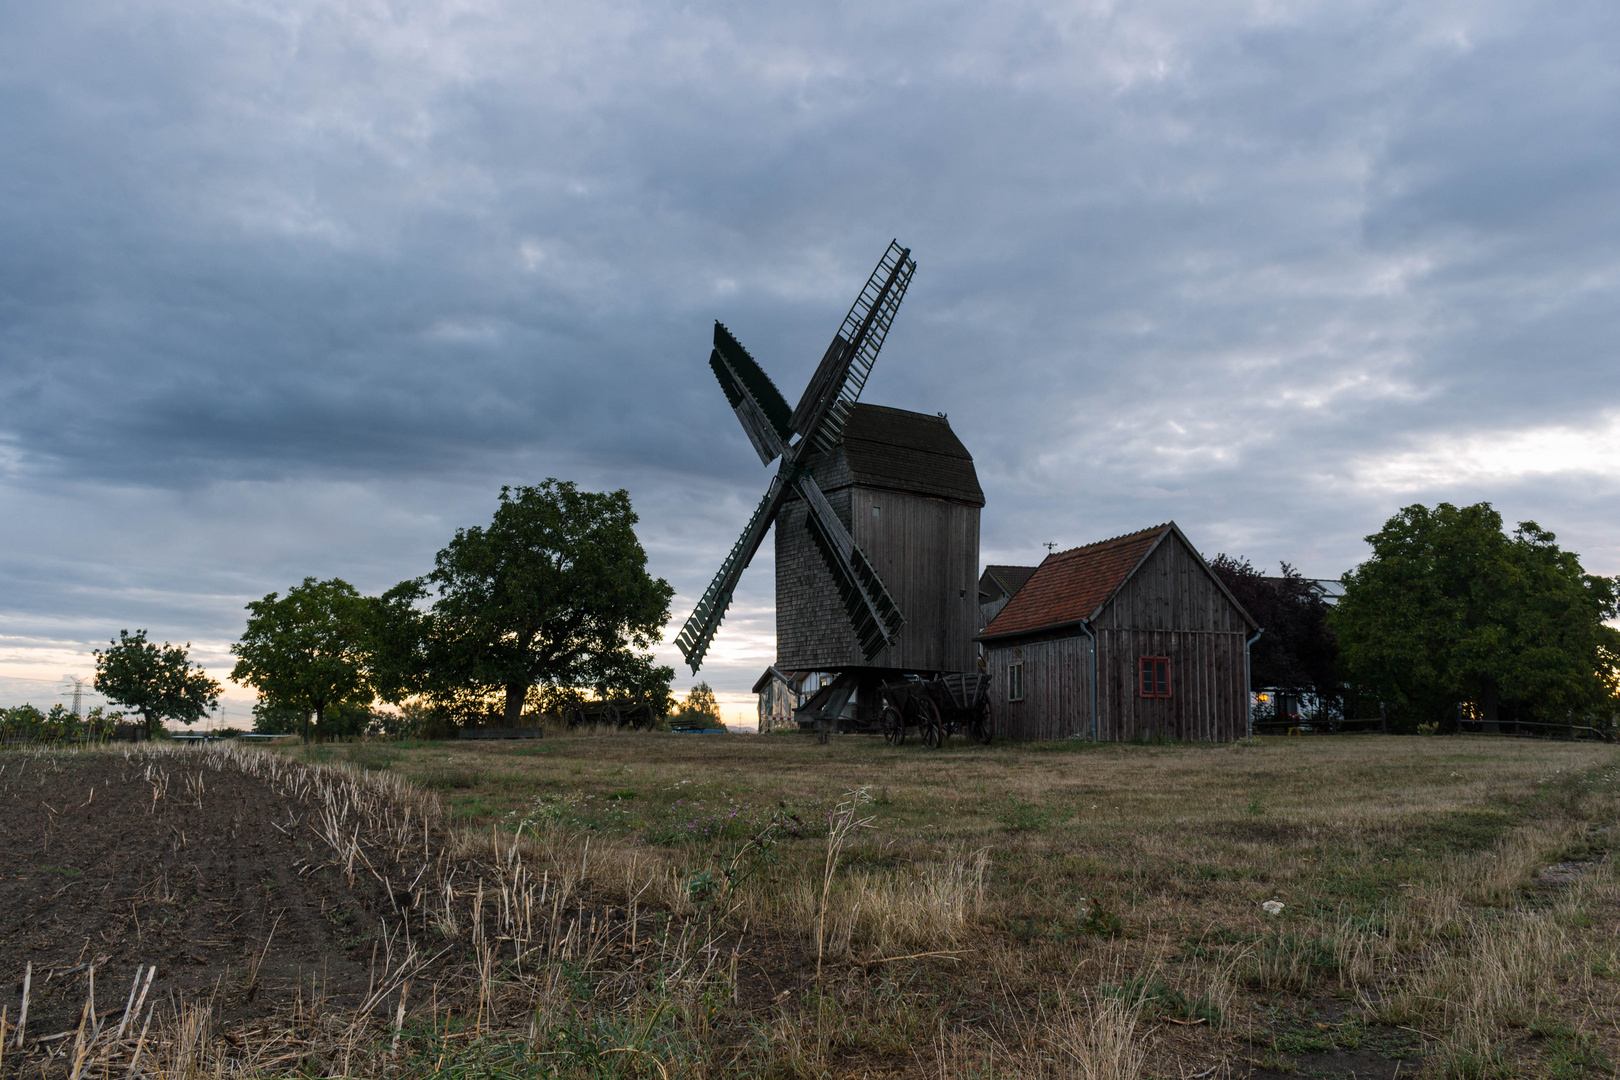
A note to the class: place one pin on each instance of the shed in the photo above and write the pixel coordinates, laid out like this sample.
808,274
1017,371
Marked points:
1129,638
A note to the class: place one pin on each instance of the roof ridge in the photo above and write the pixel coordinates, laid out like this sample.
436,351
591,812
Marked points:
1137,535
1072,585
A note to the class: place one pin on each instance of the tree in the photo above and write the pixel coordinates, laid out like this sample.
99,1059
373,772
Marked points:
554,592
1450,611
399,643
701,706
274,718
1297,650
306,650
157,681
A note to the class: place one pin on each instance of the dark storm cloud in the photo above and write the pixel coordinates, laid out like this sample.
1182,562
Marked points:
290,288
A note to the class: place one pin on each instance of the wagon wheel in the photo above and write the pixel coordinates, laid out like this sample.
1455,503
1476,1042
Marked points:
983,725
611,715
933,726
572,718
894,726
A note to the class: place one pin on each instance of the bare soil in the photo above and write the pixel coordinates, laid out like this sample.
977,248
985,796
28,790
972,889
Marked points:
181,866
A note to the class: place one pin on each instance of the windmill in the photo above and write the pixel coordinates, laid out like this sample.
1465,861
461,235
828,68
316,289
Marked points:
799,437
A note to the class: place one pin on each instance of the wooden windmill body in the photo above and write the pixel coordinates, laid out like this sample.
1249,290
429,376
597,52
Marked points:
877,520
905,487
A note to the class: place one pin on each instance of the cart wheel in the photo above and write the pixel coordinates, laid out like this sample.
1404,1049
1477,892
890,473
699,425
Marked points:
572,718
894,726
933,727
610,715
983,725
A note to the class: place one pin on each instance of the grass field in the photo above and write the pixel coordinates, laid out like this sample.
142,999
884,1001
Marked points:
636,904
1089,905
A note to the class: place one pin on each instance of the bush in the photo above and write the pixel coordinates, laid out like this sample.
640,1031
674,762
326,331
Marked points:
25,723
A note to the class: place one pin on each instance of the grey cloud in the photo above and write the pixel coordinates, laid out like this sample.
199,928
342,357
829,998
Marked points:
1176,260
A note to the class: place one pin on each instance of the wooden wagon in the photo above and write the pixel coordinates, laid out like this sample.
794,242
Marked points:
617,712
958,703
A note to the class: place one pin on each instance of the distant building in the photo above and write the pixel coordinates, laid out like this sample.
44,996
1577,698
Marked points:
778,697
781,692
996,586
1128,638
1329,589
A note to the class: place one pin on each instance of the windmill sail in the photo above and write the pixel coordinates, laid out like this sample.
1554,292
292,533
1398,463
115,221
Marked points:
819,421
823,386
753,397
873,614
865,327
695,636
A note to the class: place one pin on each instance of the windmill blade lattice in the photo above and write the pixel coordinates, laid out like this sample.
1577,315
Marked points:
864,329
695,636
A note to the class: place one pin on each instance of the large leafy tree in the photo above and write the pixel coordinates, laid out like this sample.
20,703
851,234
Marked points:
554,592
1451,610
1297,650
158,681
306,650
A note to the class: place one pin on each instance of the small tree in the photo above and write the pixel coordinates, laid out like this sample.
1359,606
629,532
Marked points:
555,592
306,650
157,681
701,705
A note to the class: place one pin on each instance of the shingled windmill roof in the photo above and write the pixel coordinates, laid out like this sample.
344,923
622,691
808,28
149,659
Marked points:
1069,586
903,451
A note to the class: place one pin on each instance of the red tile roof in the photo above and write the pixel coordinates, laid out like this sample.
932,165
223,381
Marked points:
1071,585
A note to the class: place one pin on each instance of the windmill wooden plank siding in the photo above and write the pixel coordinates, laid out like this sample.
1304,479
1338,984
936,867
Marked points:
905,488
1104,608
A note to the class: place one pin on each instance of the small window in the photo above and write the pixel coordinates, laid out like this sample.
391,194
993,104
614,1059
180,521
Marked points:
1155,676
1015,681
874,511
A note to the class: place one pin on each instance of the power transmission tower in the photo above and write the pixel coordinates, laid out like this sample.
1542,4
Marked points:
78,692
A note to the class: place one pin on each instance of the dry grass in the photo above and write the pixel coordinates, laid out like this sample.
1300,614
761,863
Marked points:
722,906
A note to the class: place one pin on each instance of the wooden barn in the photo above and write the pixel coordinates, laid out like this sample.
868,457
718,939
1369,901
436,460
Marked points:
1129,638
904,486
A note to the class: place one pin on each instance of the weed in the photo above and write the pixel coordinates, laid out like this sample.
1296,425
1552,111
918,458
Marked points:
1025,817
448,777
1155,998
1098,921
1289,961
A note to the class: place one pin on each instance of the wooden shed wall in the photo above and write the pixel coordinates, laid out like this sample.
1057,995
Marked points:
1207,701
1170,607
925,550
1171,590
1057,689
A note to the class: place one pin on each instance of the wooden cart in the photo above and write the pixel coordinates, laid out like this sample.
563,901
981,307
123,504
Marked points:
619,712
958,703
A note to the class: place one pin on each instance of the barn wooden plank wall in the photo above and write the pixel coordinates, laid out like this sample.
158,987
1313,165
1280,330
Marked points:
1057,691
1170,607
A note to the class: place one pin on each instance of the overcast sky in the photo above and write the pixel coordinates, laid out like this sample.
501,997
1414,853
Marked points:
292,288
